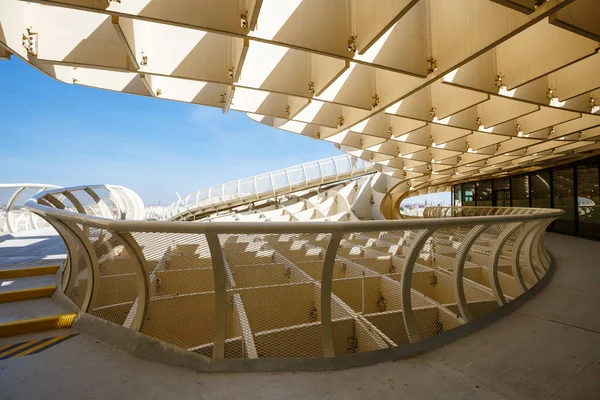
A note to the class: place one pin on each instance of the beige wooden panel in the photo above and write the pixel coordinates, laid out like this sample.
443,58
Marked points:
374,19
540,50
580,17
463,27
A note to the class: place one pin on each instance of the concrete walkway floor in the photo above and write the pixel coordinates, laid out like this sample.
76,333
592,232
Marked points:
548,349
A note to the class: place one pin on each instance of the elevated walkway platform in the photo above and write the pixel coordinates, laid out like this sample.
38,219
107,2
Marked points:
549,348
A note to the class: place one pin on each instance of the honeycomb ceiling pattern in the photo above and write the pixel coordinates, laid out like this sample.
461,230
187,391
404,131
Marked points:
433,92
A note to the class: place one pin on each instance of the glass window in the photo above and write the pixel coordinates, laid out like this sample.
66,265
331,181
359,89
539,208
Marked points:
468,194
540,190
457,196
501,184
588,200
483,192
563,191
501,192
520,191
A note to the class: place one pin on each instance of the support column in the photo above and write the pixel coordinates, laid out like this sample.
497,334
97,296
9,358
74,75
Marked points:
326,284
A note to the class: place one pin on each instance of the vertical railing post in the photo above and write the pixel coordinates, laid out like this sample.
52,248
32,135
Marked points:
406,284
544,253
326,284
143,291
220,279
494,257
533,248
103,207
66,283
459,269
91,261
9,207
305,176
515,261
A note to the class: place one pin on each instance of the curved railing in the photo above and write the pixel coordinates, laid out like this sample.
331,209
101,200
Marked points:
104,201
13,217
259,187
233,290
469,211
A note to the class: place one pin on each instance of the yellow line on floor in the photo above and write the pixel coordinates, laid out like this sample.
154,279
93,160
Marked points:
29,271
16,349
33,346
39,346
26,294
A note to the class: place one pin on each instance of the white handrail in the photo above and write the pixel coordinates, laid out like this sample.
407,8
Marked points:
194,203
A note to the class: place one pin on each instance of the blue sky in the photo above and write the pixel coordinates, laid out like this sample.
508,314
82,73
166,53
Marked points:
71,135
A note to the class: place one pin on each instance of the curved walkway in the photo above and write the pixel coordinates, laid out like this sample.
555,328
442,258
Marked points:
547,349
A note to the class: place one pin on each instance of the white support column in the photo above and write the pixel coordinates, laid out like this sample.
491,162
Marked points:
406,283
326,284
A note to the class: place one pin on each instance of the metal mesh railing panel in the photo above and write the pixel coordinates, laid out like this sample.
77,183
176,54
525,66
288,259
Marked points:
366,280
181,305
434,295
477,287
279,299
115,295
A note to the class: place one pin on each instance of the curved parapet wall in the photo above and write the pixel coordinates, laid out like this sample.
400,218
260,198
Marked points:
13,217
247,292
264,186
